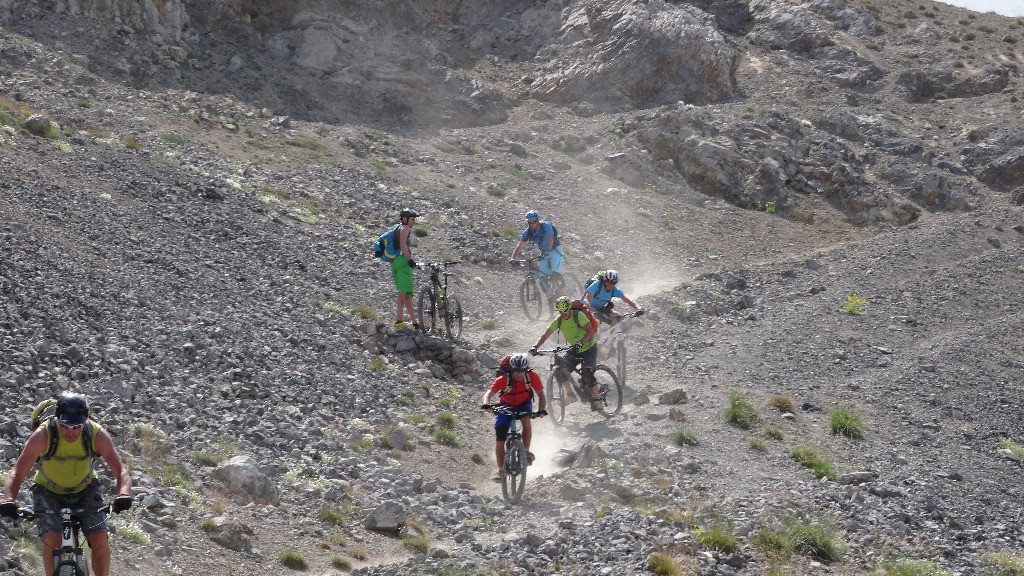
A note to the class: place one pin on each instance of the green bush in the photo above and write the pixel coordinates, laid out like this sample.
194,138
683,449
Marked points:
447,438
718,536
685,437
807,457
855,305
1003,564
663,565
446,420
741,412
291,558
847,422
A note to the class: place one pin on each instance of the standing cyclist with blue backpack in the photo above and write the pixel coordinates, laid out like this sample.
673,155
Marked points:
543,234
393,247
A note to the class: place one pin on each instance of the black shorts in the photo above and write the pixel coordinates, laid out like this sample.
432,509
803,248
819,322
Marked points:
47,506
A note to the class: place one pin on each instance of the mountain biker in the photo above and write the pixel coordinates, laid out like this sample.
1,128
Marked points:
599,296
575,328
401,270
516,386
65,480
543,234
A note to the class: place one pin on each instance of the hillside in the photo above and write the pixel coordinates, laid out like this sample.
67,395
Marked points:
190,190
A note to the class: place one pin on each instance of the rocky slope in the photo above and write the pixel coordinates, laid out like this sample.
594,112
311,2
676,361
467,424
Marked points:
189,194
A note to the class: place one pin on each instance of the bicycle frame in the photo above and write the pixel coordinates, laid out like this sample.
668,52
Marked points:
438,304
513,469
69,557
608,383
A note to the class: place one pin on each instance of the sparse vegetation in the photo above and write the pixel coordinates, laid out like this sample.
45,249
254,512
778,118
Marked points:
663,565
291,558
685,437
130,531
341,563
1003,564
1016,449
847,422
808,458
489,324
910,568
774,432
855,305
800,535
447,437
497,190
445,420
741,412
718,536
172,138
333,516
783,403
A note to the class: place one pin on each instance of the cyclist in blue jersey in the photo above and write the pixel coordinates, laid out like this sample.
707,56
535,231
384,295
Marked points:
544,235
599,297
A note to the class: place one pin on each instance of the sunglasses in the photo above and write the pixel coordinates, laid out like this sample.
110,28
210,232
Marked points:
71,426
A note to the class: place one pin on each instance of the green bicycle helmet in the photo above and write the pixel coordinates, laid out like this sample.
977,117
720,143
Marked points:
562,304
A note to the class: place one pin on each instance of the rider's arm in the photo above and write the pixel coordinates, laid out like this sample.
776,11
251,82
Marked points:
34,448
538,390
630,302
549,238
589,335
403,235
543,338
105,448
518,249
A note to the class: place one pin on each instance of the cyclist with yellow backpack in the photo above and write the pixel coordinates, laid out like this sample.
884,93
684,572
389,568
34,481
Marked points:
66,448
581,335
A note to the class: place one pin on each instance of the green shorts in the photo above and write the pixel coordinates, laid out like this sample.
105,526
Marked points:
401,273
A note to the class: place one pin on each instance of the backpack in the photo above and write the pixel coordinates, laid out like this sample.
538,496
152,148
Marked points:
44,413
386,247
577,307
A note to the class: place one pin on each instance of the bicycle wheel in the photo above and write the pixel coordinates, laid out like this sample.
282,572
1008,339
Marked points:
574,287
513,473
556,400
68,568
531,298
426,310
620,357
611,390
452,311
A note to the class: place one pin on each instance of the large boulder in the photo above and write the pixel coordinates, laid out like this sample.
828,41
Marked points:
627,54
246,482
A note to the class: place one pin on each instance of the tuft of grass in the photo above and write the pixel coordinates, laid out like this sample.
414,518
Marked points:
1016,449
172,138
1003,564
364,312
911,568
757,444
718,536
132,143
855,305
815,540
447,438
341,563
307,141
333,516
808,458
741,412
476,458
292,558
489,324
518,172
663,565
377,364
420,232
774,432
208,525
783,403
497,190
847,422
359,553
445,420
685,437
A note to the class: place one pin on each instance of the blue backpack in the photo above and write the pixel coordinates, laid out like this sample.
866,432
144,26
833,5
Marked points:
386,246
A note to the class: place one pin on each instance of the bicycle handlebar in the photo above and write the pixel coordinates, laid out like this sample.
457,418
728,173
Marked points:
502,409
554,350
31,513
440,263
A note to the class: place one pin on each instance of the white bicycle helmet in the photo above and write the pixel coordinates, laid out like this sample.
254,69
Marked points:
519,362
612,276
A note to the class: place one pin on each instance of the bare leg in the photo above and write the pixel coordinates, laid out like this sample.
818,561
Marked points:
51,540
100,553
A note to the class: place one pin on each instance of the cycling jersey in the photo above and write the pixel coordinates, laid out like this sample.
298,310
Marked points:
69,470
574,328
602,297
520,391
540,236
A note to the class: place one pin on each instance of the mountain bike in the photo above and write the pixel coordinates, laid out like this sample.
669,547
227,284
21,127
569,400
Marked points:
613,342
513,469
68,559
538,290
438,307
607,382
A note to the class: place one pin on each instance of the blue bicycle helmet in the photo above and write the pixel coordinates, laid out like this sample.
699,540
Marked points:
532,215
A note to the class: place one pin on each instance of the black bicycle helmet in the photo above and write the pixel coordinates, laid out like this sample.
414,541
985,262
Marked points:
72,408
408,213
